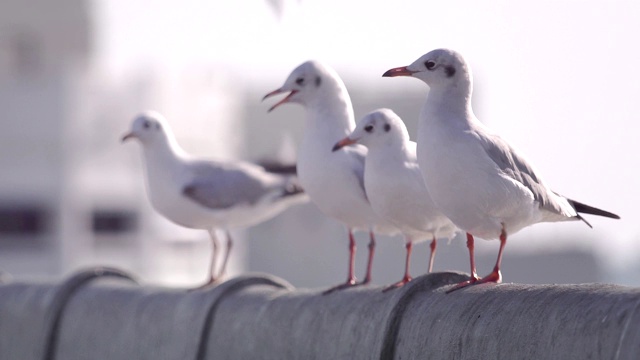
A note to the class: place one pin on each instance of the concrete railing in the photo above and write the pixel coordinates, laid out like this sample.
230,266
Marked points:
104,314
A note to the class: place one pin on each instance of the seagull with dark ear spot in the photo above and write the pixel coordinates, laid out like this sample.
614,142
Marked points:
208,194
477,179
333,180
394,183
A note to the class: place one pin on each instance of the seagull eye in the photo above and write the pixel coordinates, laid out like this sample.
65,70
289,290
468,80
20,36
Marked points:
300,81
430,64
368,128
146,124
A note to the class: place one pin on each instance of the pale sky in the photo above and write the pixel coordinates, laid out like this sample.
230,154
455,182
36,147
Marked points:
559,79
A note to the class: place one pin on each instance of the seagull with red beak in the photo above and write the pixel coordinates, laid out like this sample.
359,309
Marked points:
477,179
394,183
333,180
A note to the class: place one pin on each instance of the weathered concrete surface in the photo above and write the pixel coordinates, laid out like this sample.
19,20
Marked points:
509,321
30,314
305,324
262,317
106,322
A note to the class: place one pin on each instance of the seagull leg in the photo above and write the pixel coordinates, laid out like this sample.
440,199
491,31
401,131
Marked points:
372,247
223,270
472,261
496,276
433,253
407,277
351,278
212,263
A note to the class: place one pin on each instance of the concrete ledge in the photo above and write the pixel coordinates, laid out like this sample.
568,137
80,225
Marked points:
108,316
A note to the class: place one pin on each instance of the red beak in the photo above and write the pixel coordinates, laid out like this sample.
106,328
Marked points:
399,71
276,92
342,143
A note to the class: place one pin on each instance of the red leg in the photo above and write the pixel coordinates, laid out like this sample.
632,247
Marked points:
223,270
407,277
433,253
351,278
212,264
472,260
372,247
496,276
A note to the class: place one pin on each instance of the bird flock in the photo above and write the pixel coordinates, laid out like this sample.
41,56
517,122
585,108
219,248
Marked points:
458,177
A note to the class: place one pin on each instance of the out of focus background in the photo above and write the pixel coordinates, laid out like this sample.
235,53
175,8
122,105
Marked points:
559,79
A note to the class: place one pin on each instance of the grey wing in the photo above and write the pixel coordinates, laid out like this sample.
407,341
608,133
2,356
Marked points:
516,167
221,186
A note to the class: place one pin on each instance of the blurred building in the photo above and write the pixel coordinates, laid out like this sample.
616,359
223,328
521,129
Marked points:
70,194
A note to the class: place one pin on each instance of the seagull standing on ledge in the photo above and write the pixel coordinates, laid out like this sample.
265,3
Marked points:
394,183
333,180
477,179
207,194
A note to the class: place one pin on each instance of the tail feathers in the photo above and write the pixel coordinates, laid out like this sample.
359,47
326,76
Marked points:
292,188
586,209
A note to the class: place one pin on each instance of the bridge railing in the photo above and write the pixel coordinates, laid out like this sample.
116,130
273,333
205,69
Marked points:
104,314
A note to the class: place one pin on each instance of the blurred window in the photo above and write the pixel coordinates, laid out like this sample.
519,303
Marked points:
114,221
23,220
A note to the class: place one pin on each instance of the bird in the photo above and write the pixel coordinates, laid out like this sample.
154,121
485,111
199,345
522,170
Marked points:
394,185
476,178
334,181
208,194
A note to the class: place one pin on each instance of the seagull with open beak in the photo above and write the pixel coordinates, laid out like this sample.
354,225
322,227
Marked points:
333,180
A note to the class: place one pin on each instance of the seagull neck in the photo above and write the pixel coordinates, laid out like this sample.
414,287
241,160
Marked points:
164,152
453,101
329,121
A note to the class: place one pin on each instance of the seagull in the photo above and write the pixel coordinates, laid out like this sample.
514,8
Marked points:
333,180
483,184
394,183
208,194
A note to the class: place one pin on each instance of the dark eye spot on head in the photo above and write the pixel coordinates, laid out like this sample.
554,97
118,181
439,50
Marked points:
387,127
430,64
146,124
300,81
318,81
157,126
368,128
449,70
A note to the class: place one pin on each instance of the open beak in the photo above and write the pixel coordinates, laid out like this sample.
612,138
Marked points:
276,92
399,71
342,143
128,136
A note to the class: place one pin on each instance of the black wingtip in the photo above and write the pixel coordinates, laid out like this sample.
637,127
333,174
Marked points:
276,167
586,209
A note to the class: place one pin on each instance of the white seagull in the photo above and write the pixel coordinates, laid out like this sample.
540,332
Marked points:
208,194
394,183
484,185
333,180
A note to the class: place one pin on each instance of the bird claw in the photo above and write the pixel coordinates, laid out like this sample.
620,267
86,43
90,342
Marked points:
397,285
349,283
495,277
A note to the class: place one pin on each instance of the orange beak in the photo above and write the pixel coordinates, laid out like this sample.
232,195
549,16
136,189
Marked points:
399,71
276,92
342,143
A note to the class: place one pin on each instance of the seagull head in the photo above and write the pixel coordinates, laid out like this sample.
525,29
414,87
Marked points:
309,84
147,128
381,127
437,68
